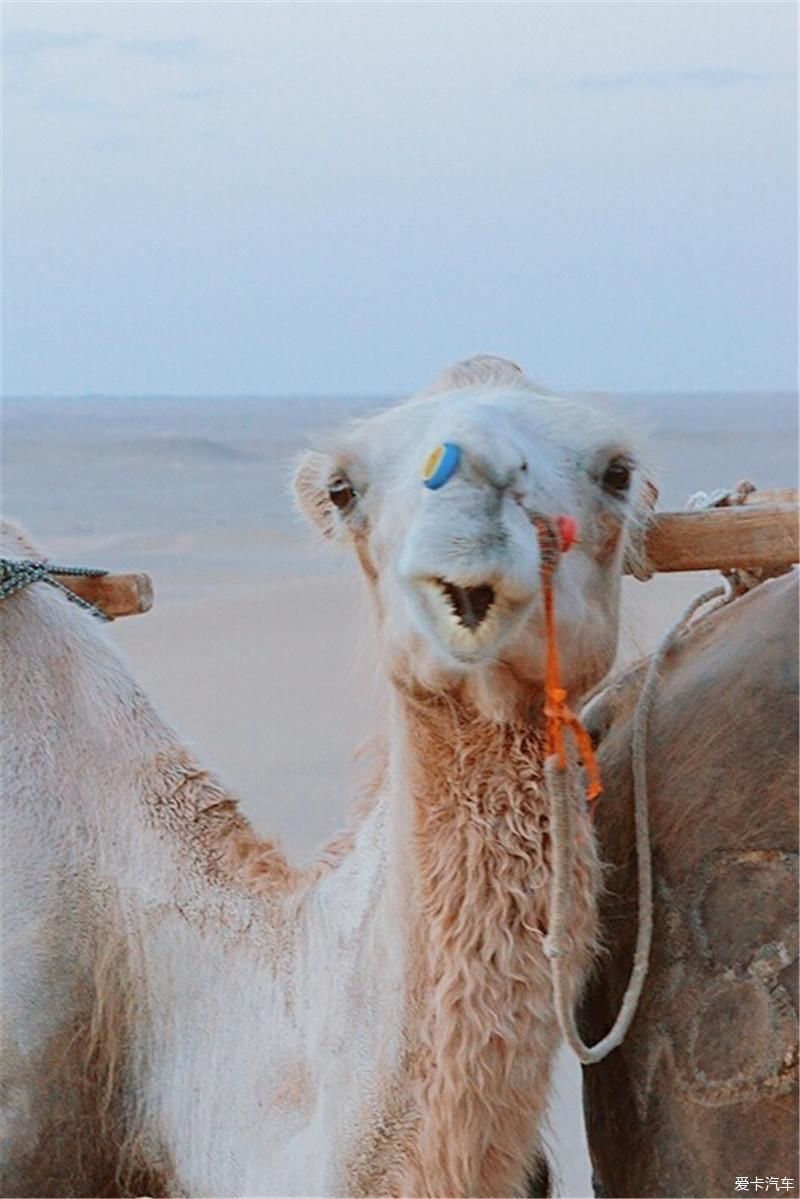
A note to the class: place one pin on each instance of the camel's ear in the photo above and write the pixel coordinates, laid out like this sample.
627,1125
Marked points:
635,561
324,493
310,486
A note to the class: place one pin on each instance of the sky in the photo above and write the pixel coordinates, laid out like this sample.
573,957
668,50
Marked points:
227,198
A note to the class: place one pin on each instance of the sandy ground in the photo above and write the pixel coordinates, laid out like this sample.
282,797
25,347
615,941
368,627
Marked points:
257,649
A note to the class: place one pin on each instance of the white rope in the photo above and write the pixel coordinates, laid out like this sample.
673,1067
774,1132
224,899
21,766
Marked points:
565,790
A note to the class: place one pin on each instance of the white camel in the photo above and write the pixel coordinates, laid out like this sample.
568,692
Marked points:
186,1012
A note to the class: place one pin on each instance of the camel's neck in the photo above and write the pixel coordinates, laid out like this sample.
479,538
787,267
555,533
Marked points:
472,797
472,848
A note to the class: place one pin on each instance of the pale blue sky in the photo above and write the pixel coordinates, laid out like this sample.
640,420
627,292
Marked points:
225,198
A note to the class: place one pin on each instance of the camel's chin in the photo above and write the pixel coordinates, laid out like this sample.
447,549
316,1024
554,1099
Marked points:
501,695
497,687
505,682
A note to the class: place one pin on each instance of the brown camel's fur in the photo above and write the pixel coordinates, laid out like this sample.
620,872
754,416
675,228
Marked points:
704,1087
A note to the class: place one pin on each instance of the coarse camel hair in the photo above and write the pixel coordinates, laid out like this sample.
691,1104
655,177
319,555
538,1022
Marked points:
705,1085
188,1013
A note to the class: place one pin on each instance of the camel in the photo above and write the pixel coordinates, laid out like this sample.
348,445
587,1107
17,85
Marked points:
704,1088
186,1012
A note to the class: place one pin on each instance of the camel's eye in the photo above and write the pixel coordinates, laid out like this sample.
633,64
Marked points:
617,476
341,494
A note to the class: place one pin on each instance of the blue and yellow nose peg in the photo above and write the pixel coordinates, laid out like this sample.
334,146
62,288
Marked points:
440,465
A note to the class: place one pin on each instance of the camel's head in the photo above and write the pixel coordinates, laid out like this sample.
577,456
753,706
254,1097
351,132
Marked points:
447,541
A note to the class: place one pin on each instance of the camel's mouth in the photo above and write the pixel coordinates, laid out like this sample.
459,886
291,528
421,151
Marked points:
470,605
470,619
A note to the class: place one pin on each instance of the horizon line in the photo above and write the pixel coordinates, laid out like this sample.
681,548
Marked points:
386,395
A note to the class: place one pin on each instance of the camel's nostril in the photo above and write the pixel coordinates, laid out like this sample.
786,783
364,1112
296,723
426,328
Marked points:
470,604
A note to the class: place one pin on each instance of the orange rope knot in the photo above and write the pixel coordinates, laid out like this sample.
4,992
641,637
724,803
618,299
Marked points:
554,540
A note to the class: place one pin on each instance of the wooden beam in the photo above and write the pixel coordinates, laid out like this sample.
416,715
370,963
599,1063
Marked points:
116,595
754,535
778,495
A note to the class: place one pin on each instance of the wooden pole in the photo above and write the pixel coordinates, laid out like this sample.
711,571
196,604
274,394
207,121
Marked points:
753,535
116,595
763,532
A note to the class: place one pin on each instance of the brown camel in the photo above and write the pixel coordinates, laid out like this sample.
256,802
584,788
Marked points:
703,1090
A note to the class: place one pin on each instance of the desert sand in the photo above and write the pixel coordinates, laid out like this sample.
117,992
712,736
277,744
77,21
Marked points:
257,648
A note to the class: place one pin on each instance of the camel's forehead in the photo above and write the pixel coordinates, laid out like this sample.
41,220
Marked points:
542,426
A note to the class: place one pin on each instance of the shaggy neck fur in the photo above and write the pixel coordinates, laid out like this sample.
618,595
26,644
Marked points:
479,850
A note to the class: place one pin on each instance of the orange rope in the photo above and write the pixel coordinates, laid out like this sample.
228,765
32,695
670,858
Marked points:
559,714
